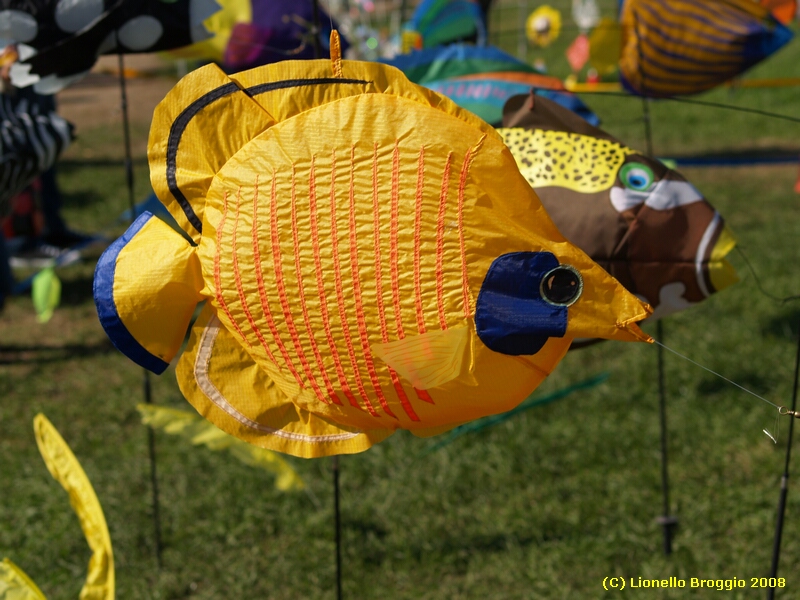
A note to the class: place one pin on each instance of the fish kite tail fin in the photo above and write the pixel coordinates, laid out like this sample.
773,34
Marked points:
147,285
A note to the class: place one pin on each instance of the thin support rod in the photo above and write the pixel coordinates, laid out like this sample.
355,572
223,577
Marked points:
337,525
151,447
776,548
667,521
147,391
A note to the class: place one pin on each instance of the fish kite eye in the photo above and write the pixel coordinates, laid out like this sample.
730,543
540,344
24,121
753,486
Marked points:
636,176
561,286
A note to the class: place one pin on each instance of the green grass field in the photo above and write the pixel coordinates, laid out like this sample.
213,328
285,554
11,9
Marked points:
545,505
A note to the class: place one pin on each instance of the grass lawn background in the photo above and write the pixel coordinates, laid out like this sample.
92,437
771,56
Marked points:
544,505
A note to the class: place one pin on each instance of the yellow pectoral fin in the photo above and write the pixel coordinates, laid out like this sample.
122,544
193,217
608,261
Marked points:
66,469
146,287
721,272
430,359
16,585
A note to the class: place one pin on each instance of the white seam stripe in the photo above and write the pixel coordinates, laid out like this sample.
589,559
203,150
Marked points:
201,373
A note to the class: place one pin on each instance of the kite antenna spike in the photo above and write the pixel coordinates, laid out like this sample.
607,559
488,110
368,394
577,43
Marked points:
336,54
532,99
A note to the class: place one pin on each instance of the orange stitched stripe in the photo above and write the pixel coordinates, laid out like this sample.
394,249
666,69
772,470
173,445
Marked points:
462,184
314,347
337,278
238,277
217,281
262,293
393,253
362,324
440,241
281,285
417,233
376,228
323,305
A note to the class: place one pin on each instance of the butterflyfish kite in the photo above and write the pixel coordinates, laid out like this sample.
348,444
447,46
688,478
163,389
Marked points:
369,256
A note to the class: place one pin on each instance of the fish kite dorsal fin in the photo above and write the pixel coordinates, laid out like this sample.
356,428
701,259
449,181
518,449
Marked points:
146,287
188,144
536,112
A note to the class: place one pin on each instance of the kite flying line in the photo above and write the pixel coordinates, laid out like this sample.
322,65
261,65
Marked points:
744,389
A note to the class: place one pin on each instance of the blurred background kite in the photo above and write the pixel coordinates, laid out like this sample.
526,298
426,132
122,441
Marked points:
641,221
442,22
674,47
251,33
59,41
32,136
543,26
482,78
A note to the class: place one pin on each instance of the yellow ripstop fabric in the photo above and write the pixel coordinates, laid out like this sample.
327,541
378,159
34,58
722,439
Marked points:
222,382
331,203
66,469
16,585
348,224
157,286
721,272
577,162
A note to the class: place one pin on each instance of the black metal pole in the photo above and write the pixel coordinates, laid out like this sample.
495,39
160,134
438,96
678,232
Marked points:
776,547
667,521
337,526
148,397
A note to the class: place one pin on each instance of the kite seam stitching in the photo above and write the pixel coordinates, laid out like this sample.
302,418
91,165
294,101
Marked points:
398,386
337,278
217,279
362,324
303,304
312,209
238,278
277,265
417,236
440,221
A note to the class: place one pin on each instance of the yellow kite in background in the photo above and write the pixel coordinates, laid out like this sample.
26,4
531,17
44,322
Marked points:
369,254
65,468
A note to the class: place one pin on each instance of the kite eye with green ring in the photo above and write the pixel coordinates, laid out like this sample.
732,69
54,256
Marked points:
636,176
561,286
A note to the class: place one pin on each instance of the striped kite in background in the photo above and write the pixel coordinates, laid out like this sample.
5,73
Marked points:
678,47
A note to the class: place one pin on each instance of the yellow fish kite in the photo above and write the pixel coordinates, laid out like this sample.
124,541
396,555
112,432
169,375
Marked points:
369,254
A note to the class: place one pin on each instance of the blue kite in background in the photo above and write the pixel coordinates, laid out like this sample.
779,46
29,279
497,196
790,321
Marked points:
482,78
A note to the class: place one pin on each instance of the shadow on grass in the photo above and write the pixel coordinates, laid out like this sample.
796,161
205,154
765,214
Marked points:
784,325
749,379
69,165
20,354
81,199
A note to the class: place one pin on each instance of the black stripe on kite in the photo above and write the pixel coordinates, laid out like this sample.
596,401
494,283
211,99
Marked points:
180,124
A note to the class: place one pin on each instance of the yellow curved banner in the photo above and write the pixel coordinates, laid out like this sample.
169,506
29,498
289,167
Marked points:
66,469
16,585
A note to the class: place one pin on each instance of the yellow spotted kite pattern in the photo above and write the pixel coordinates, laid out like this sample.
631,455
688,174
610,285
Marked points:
577,162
